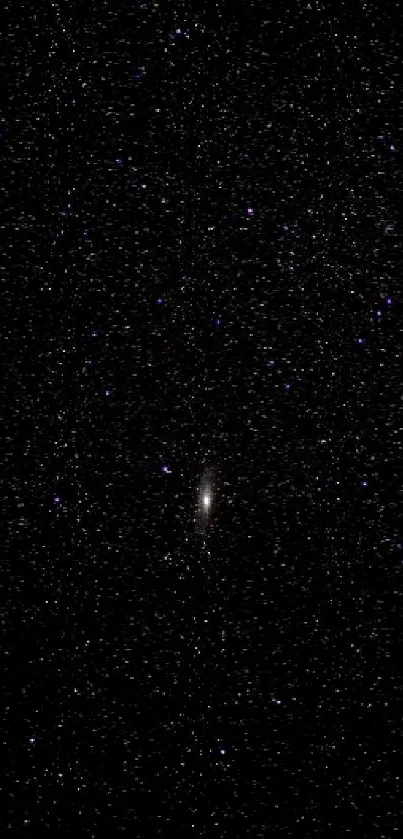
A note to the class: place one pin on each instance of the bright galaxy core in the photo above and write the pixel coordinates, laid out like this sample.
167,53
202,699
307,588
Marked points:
206,500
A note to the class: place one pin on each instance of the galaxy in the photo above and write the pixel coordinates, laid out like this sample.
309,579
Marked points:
201,576
206,500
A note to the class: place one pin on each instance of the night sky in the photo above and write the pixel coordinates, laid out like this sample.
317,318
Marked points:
201,272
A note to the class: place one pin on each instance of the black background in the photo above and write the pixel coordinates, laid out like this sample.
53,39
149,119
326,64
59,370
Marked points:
152,685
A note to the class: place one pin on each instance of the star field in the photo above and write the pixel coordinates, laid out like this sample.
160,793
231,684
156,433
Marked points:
202,420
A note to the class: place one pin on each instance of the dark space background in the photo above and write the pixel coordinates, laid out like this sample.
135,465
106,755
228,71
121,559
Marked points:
202,218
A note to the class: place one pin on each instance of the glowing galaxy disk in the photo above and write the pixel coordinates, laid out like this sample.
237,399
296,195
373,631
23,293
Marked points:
205,499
